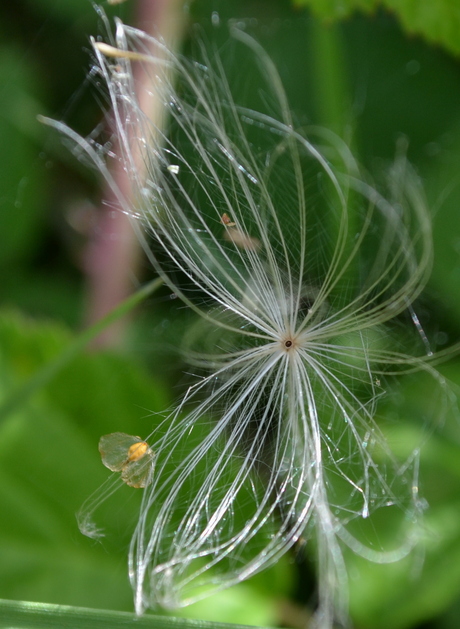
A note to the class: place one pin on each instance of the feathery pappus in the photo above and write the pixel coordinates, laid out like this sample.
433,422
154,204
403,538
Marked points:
295,266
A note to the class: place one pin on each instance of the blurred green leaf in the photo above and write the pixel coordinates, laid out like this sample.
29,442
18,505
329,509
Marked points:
443,188
426,582
81,14
49,464
417,588
438,22
68,354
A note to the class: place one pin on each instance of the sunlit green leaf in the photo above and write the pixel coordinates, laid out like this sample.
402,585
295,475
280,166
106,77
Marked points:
438,22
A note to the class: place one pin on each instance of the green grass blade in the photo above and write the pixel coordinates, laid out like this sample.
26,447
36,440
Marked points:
45,375
26,615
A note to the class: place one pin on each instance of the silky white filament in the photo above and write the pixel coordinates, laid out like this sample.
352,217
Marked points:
296,266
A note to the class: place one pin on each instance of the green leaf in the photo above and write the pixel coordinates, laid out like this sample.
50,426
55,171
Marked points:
49,464
438,22
22,181
427,581
80,15
336,9
19,395
443,188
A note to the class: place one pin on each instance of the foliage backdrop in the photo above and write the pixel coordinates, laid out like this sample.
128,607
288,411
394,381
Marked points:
367,79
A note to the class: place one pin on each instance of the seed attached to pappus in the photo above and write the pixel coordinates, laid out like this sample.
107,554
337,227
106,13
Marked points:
295,353
238,237
226,220
137,451
129,455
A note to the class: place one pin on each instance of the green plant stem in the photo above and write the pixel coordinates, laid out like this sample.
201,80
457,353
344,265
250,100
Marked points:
49,371
26,615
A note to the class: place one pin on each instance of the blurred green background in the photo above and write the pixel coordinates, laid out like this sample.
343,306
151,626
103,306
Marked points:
372,77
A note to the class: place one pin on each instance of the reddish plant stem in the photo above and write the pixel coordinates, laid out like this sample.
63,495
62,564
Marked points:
112,257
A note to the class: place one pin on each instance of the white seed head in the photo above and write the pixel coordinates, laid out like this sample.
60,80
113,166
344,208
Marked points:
298,264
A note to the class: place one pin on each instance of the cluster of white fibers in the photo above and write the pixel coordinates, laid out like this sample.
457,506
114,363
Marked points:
295,266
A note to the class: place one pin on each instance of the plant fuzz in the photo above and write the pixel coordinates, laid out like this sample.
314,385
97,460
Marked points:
296,267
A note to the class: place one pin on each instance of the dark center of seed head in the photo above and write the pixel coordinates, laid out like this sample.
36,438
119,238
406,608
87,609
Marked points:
288,343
